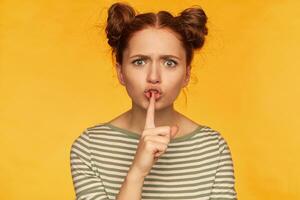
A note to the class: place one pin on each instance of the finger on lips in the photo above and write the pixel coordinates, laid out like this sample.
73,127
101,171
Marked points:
150,113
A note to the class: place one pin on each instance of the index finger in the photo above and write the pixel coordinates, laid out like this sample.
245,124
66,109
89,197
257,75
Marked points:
150,112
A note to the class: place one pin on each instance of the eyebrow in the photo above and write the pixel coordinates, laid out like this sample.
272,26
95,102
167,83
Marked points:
162,56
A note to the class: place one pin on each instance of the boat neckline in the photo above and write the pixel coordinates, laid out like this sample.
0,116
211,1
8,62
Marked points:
137,135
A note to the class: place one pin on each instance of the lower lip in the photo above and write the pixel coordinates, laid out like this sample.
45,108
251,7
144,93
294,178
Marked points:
157,95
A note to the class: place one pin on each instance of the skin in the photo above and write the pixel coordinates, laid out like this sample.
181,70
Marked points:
154,119
136,73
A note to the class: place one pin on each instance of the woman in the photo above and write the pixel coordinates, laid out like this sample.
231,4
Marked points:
152,151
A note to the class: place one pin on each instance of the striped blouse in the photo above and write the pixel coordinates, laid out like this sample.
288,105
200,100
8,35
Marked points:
197,165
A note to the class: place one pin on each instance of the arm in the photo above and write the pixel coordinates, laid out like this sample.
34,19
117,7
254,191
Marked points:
224,184
87,184
131,187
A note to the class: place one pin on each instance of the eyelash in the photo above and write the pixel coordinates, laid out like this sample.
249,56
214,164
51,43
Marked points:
175,63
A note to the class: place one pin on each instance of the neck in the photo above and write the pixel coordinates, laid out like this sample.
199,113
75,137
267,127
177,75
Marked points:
136,117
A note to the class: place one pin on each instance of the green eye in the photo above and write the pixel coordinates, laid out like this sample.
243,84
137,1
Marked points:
172,62
137,62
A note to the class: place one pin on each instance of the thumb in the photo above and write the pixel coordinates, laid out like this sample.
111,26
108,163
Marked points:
174,131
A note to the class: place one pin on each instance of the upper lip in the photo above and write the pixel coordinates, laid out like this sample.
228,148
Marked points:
153,88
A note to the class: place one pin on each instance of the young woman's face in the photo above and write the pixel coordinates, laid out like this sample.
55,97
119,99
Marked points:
154,58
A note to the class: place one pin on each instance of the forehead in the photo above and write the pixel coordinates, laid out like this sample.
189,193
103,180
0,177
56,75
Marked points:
152,41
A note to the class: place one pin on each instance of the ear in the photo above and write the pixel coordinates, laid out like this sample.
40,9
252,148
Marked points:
120,74
187,76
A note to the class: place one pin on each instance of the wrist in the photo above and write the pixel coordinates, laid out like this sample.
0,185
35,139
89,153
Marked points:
135,175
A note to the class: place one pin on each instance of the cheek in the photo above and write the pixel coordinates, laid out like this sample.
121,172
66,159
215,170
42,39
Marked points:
173,85
135,80
134,85
174,81
174,89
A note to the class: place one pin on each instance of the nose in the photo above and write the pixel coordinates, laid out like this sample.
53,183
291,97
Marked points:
153,75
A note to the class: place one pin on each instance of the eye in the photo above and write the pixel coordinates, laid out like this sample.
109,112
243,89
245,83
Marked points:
138,61
171,63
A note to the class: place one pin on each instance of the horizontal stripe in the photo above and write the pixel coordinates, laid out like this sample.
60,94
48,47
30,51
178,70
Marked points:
195,166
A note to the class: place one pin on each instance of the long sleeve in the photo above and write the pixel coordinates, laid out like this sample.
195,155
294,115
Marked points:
87,184
224,184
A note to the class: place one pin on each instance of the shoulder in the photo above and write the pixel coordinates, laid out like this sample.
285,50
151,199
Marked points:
213,135
81,144
95,133
83,140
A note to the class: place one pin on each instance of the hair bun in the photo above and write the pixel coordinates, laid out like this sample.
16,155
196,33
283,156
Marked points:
194,21
119,15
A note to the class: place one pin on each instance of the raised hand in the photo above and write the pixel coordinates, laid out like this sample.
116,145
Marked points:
153,141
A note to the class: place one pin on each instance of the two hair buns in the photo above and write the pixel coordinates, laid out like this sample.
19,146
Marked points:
192,23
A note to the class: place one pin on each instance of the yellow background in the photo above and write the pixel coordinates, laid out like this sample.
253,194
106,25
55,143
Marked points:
57,78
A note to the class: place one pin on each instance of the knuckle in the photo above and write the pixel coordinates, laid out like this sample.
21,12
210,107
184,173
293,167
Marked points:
168,131
165,140
145,132
163,147
148,145
146,138
167,128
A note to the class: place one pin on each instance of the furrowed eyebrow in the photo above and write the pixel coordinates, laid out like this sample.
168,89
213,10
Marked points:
162,56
